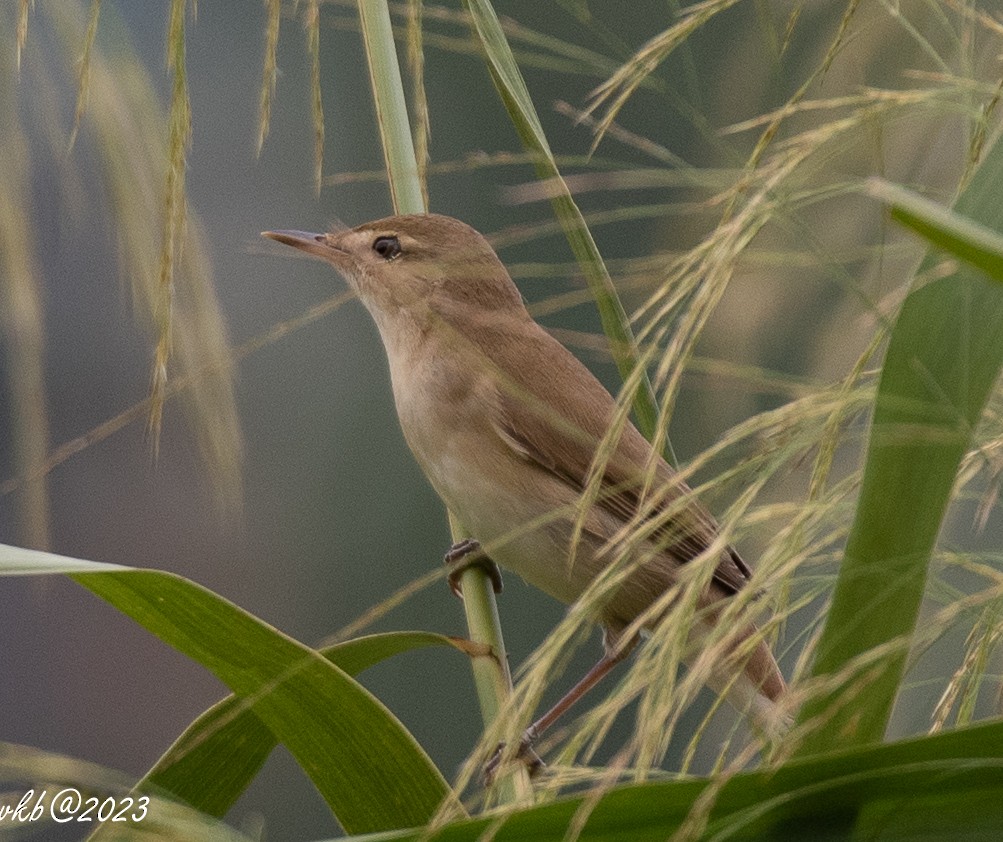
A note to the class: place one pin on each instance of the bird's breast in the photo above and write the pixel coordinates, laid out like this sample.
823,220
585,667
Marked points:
522,514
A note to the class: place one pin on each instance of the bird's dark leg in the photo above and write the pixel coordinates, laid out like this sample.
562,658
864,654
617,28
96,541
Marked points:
611,657
468,553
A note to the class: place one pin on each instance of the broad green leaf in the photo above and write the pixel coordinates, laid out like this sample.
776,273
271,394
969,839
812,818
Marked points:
216,758
941,787
944,356
942,227
366,765
16,561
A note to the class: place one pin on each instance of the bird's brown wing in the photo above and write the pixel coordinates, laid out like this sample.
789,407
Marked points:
558,416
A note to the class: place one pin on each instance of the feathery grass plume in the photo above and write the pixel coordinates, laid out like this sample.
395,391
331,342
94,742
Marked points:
615,91
84,73
702,273
986,460
678,312
126,127
645,145
849,380
792,22
694,285
811,531
311,23
785,184
859,672
981,131
24,8
962,691
270,72
797,539
21,328
175,213
770,131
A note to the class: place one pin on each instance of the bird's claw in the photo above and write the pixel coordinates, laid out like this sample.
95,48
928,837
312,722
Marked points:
532,761
468,553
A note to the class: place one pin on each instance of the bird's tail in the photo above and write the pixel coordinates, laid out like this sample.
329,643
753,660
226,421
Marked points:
759,690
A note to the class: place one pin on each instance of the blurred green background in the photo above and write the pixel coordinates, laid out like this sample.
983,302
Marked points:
336,515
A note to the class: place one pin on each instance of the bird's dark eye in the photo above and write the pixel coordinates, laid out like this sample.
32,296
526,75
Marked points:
387,247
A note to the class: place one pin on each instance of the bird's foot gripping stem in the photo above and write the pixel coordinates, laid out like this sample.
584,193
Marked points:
525,754
468,553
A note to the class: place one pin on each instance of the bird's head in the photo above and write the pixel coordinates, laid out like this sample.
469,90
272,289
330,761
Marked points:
403,262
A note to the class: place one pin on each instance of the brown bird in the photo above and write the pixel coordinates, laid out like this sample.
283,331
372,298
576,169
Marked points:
505,423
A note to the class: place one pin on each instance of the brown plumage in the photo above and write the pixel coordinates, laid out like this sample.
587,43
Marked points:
505,422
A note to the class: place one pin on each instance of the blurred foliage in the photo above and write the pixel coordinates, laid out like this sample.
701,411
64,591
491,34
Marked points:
164,259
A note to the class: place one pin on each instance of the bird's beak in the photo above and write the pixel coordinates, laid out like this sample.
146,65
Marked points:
315,244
